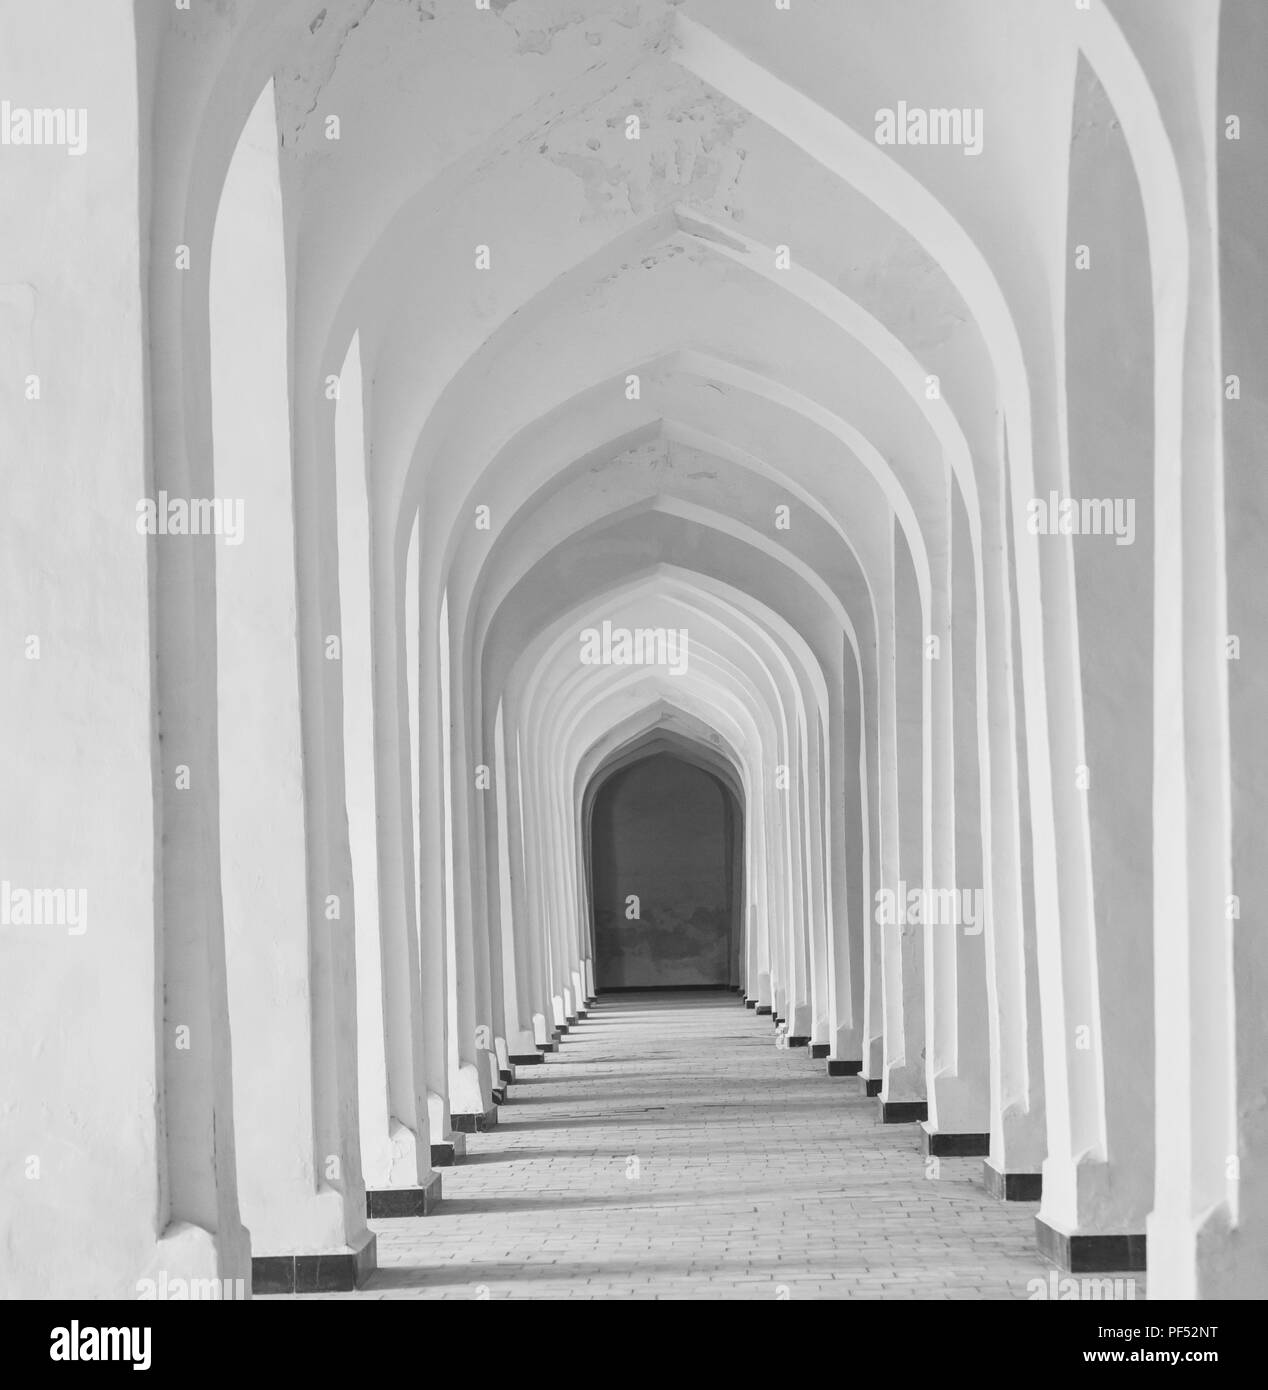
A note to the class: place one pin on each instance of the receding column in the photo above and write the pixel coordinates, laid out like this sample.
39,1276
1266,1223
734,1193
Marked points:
757,944
1013,1170
955,982
533,940
904,675
203,1235
522,1036
470,1100
1102,519
395,1144
1208,1232
355,652
873,773
470,792
556,904
419,642
516,1035
852,919
799,1006
298,1169
823,954
1222,1089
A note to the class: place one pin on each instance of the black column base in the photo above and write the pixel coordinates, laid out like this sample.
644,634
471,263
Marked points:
341,1271
798,1042
505,1075
763,1009
750,1003
526,1059
473,1123
945,1144
581,1013
499,1095
837,1067
1090,1254
385,1203
903,1112
818,1051
444,1155
872,1086
1012,1187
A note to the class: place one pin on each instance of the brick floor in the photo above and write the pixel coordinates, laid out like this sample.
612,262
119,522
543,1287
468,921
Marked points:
671,1150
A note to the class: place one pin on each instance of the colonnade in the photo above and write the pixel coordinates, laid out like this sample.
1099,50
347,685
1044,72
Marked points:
497,324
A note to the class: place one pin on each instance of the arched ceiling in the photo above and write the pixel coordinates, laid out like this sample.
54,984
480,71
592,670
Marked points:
815,322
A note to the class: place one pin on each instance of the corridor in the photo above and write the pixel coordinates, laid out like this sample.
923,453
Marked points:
542,535
669,1151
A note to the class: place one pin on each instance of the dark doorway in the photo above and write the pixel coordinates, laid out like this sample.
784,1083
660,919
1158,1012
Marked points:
665,861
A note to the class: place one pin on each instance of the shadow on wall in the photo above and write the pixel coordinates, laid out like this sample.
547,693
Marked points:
664,858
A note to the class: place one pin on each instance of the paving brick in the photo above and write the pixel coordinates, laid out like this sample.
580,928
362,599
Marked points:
755,1173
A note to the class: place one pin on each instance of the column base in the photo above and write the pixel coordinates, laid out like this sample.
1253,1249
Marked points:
947,1144
581,1013
386,1203
872,1087
818,1051
903,1112
836,1067
505,1076
763,1008
750,1003
552,1046
499,1095
444,1155
1090,1254
526,1059
474,1123
798,1042
339,1271
1012,1187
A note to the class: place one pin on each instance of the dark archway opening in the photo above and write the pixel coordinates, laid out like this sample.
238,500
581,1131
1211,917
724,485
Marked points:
666,862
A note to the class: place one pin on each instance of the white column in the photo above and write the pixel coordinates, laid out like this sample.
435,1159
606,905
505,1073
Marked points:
93,1204
955,981
287,908
1018,1127
904,674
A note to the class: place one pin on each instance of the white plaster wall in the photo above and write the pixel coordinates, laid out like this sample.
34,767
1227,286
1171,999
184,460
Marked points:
80,1149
